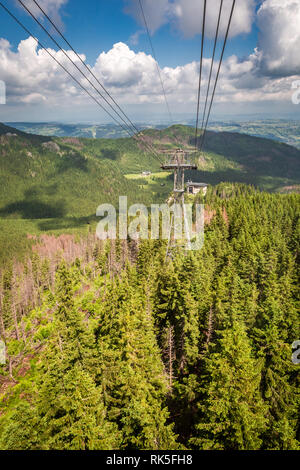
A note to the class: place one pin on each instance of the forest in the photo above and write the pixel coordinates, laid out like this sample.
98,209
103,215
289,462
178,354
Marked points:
111,346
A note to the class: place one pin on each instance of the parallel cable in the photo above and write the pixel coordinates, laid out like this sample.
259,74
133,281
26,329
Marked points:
212,62
65,54
156,63
200,74
158,69
80,71
85,65
217,76
63,67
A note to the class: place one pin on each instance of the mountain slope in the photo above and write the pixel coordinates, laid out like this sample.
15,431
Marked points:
56,184
44,177
236,157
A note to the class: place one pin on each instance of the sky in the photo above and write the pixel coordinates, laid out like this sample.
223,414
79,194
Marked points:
259,76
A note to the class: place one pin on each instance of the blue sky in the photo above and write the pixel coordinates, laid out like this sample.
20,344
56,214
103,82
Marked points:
95,25
256,77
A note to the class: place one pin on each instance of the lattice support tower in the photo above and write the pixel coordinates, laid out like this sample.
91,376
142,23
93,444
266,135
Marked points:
178,163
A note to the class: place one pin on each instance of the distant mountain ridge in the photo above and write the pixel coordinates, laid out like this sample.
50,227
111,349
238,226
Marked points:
282,130
73,130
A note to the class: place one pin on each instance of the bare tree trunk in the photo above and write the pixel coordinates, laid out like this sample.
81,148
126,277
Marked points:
14,314
182,356
171,355
14,302
2,327
23,331
210,326
10,371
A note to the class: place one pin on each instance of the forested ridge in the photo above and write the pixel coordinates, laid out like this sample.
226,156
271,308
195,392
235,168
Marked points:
111,347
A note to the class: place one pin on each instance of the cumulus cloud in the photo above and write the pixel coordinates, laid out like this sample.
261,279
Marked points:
51,7
31,75
33,78
121,67
279,38
186,15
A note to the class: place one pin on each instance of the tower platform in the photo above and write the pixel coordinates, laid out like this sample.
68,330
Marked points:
181,166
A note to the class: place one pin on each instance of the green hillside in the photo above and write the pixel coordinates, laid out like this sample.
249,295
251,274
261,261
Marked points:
46,177
56,184
57,178
284,130
235,157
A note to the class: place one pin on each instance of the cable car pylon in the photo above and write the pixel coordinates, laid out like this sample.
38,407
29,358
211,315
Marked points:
178,163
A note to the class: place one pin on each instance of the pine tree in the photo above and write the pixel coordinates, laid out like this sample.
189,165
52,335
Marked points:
232,413
133,379
70,406
21,430
277,322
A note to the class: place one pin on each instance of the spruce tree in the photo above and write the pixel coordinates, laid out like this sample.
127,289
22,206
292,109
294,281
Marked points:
70,406
231,410
132,376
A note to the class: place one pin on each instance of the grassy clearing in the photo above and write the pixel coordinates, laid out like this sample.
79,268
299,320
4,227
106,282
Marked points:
150,178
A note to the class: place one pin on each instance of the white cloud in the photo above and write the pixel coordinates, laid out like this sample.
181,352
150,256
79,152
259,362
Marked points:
34,98
122,68
134,38
186,15
33,78
279,38
51,7
31,75
278,49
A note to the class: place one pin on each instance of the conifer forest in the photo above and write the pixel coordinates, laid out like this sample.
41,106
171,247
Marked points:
149,230
109,346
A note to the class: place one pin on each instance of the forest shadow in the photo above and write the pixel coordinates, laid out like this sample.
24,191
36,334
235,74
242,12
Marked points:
215,177
66,223
36,191
110,154
32,208
71,162
265,182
